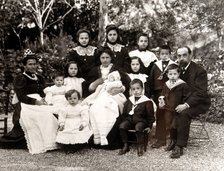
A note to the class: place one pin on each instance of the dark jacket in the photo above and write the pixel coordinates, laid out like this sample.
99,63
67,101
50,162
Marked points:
196,78
143,111
24,85
175,95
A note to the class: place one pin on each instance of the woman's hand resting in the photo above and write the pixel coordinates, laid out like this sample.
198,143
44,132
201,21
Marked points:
40,102
115,91
93,85
81,127
61,127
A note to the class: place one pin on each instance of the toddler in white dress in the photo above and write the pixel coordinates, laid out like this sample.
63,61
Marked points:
55,95
73,121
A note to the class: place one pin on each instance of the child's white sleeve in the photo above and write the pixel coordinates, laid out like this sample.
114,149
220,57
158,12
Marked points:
49,94
85,116
61,116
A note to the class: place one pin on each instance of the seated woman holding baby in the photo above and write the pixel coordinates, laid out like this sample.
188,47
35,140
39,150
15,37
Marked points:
110,85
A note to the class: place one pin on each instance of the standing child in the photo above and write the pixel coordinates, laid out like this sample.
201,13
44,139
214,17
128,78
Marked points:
73,122
147,57
138,114
55,95
137,71
175,92
84,54
73,79
157,81
120,52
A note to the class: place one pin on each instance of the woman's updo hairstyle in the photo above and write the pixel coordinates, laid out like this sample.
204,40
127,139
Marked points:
102,50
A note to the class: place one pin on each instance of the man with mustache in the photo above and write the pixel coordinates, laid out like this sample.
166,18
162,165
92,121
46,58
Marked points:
197,103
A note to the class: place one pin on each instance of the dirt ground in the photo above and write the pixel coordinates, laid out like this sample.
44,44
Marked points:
205,157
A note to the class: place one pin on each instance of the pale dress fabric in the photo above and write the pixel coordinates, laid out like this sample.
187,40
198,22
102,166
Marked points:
146,56
74,83
55,95
104,110
40,126
142,77
72,117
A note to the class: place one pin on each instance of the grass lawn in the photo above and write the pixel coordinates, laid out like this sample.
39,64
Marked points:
208,156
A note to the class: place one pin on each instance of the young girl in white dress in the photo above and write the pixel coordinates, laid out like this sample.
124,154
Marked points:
147,57
73,79
73,122
138,72
55,95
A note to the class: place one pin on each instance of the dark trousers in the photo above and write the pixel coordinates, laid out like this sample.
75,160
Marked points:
183,122
126,125
164,121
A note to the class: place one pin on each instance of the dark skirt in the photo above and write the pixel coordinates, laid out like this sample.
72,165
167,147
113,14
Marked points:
14,139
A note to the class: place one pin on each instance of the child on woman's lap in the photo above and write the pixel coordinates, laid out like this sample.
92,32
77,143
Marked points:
55,95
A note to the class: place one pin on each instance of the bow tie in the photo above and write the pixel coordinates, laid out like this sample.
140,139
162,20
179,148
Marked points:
173,81
165,62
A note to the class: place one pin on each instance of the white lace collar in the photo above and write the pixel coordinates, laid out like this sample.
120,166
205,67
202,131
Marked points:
85,51
116,48
32,78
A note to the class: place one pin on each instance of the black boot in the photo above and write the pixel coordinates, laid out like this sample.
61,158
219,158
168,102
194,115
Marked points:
140,150
171,145
176,152
140,140
124,150
173,141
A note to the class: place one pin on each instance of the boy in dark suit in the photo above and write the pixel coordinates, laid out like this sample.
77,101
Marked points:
138,113
157,81
175,92
197,103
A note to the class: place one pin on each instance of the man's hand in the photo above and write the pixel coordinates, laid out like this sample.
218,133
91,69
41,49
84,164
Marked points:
180,108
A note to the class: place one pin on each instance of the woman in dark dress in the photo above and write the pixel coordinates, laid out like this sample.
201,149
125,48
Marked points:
24,84
99,108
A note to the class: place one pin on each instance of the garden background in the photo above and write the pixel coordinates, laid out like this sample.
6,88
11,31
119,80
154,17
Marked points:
48,28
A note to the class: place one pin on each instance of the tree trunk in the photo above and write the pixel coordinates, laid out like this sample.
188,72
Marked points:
102,20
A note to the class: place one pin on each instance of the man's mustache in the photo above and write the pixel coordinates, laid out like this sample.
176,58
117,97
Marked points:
182,63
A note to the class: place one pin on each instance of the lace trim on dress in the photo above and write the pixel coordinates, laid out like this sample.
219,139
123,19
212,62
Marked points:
85,51
37,151
116,48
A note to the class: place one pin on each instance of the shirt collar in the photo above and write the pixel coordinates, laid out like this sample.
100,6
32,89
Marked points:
187,66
